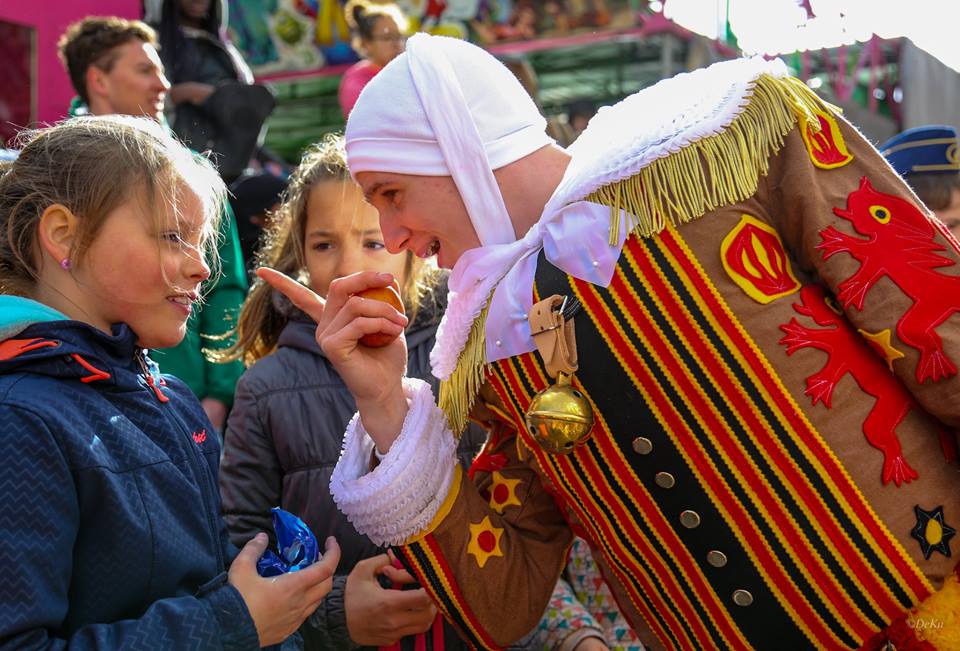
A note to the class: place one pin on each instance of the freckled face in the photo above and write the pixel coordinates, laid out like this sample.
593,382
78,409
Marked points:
422,214
145,272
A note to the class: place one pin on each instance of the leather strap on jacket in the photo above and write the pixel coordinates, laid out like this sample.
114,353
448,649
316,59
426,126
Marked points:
555,338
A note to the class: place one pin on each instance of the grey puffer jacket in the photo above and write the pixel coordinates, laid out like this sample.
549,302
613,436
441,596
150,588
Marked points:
283,440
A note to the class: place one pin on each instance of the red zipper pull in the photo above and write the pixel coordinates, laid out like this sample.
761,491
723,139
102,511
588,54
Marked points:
151,382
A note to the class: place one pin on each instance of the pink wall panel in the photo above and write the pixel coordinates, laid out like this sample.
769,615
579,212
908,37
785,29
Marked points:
50,19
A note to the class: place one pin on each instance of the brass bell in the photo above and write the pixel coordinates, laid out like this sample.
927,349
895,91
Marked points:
559,417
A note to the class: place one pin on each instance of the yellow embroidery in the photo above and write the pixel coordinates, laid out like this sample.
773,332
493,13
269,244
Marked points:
824,141
756,261
484,541
503,492
717,170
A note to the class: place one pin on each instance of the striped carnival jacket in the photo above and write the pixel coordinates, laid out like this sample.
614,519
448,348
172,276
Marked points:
773,463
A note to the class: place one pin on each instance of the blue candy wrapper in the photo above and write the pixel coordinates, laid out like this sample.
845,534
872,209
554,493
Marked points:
297,545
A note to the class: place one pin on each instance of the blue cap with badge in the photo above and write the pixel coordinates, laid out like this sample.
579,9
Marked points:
932,149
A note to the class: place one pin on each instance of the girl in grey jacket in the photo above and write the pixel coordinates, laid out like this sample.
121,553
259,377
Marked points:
291,408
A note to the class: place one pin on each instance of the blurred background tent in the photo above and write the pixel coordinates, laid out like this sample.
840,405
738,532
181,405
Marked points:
889,64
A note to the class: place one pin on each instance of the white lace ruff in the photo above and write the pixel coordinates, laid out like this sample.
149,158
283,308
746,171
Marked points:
400,497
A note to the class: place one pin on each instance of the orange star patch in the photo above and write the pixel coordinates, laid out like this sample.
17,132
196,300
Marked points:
503,492
484,541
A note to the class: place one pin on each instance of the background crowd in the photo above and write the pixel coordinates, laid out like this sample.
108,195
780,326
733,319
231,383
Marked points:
250,357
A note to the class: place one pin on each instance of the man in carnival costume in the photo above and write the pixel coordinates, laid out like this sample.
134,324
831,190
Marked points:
765,332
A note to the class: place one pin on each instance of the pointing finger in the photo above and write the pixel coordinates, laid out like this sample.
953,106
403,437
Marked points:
303,297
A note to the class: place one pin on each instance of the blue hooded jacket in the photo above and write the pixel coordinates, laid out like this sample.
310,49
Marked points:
110,527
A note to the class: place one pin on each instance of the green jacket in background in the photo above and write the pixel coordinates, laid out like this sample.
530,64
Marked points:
217,316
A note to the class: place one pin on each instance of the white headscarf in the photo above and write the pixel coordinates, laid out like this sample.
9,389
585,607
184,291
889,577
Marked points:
447,108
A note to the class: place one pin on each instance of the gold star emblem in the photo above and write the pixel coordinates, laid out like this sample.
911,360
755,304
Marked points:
880,342
484,541
503,492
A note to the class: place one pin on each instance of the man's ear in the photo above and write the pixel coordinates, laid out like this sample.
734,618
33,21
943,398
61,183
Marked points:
57,232
97,82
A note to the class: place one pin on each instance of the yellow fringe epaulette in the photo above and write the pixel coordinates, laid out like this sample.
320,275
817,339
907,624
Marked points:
459,391
716,170
707,174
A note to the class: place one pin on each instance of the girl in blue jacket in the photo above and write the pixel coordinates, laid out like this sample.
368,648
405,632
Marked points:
110,528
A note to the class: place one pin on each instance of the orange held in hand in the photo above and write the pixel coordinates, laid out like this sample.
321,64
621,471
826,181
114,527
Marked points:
389,295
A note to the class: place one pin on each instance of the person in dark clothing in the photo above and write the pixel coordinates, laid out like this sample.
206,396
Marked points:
254,197
201,62
110,524
285,432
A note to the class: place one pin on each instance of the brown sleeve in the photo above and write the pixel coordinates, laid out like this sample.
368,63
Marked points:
850,220
493,555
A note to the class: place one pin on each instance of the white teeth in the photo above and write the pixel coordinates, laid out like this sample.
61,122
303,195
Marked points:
182,300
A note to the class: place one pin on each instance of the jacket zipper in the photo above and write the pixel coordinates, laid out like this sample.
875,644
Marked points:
151,375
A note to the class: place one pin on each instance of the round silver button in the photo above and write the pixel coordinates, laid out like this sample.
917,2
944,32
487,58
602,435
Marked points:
690,519
642,445
742,598
664,480
716,558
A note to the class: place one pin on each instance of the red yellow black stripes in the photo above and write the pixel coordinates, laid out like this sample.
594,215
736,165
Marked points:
607,471
636,577
909,583
822,568
636,555
751,479
431,569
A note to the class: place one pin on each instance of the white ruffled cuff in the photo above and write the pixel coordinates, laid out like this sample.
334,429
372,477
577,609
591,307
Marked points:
400,497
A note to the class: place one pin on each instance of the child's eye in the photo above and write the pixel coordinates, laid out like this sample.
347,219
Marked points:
322,246
172,237
373,244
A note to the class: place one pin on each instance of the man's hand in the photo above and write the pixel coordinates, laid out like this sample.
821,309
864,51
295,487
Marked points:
373,375
191,92
380,617
278,605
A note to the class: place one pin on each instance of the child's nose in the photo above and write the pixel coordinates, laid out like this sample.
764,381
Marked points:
197,268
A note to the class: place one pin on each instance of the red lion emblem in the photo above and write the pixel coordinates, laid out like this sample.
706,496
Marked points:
848,352
900,245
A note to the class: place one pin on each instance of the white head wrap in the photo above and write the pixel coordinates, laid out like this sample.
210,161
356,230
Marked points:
447,108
